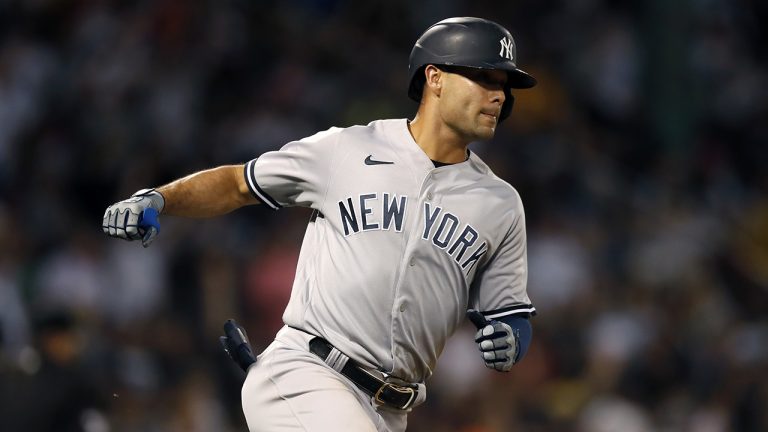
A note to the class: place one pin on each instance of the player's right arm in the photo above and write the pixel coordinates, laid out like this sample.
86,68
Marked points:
203,194
295,175
208,193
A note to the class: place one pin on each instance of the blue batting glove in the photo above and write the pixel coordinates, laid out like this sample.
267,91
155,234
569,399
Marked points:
135,218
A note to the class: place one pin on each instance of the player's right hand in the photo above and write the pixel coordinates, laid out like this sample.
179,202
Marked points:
135,218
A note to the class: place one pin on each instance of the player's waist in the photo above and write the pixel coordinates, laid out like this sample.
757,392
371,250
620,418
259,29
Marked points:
383,389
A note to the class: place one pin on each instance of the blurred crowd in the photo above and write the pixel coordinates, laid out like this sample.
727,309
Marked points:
640,157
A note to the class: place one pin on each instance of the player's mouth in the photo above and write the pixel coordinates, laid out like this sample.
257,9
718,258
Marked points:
493,115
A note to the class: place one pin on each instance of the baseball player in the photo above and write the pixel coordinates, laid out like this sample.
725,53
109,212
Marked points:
411,233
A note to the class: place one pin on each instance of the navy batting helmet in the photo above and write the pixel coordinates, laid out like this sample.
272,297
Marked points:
470,42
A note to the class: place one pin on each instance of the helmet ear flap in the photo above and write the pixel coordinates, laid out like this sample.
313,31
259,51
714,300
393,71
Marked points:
509,101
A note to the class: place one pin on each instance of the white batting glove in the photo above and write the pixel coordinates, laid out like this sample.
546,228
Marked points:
496,340
135,218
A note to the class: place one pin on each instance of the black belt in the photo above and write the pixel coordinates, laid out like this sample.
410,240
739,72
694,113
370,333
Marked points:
396,396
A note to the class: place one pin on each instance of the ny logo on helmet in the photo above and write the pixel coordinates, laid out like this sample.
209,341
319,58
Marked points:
506,48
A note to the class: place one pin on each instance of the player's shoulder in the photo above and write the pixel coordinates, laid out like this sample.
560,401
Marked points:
324,135
375,129
369,131
493,183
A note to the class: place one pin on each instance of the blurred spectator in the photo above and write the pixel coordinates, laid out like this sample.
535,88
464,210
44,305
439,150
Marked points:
59,394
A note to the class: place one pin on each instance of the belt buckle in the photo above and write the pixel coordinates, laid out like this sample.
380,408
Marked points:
399,389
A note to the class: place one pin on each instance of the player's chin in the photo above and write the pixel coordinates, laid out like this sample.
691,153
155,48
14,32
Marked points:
486,127
485,131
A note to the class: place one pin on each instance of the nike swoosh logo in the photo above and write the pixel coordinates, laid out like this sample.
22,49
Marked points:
369,161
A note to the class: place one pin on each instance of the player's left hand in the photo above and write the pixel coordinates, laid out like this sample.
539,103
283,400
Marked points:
496,341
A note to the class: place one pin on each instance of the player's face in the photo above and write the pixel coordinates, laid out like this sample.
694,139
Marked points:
471,100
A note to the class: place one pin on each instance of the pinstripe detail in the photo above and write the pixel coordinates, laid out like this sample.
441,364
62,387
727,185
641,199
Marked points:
250,180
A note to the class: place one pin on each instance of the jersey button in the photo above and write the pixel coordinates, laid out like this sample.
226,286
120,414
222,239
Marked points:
402,307
429,195
412,262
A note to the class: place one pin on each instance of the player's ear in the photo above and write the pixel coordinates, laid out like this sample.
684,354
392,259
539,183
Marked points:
433,80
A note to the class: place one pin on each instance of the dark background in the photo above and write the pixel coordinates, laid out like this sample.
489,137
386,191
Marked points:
640,158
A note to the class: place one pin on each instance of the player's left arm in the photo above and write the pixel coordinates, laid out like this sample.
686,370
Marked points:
500,307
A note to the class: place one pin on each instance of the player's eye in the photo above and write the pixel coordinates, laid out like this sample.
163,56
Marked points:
488,79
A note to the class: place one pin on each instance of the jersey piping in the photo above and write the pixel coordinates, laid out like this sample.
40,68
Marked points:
256,191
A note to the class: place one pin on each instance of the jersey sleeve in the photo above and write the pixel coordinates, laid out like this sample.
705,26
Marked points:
295,175
500,288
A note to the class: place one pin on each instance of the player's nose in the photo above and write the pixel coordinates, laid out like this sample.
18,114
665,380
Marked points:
497,96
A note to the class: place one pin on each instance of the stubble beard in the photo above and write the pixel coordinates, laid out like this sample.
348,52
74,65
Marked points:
484,132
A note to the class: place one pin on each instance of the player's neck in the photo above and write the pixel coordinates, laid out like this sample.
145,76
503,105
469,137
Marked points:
437,141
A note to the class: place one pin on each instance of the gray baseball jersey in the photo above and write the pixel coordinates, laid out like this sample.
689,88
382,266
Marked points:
396,249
